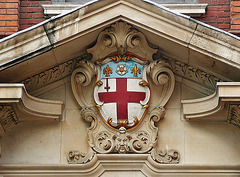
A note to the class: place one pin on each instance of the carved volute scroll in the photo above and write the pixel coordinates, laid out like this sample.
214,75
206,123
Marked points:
122,72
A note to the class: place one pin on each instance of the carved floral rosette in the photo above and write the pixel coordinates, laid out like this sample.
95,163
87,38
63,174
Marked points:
121,42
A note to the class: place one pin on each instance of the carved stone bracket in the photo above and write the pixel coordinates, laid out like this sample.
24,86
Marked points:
16,105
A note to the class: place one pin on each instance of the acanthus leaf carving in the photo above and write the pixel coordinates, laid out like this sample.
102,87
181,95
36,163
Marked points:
8,117
234,115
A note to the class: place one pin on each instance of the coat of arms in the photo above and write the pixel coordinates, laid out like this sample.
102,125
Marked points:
113,89
122,92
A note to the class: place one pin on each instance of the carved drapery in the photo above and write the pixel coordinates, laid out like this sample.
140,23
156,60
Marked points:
122,42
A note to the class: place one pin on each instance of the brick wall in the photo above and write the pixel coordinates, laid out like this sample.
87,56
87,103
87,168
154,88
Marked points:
31,13
235,17
217,14
9,17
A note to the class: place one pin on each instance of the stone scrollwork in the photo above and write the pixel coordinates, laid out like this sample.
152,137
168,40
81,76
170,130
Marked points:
82,77
122,142
121,43
170,156
76,157
121,37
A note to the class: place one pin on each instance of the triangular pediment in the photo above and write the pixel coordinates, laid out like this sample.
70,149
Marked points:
65,58
63,38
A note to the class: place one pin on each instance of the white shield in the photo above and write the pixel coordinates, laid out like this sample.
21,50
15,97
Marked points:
122,93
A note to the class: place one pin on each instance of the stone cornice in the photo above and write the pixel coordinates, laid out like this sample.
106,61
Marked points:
126,162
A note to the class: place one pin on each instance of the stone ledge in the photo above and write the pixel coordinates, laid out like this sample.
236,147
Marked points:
193,10
215,107
16,105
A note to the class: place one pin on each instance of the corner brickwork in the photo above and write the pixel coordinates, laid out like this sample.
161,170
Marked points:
31,13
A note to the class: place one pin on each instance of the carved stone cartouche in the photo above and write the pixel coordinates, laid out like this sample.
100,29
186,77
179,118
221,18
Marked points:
121,42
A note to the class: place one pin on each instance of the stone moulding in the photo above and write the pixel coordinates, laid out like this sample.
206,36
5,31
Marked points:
122,39
65,69
194,74
215,104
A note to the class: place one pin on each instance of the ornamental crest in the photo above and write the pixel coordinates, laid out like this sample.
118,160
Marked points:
122,92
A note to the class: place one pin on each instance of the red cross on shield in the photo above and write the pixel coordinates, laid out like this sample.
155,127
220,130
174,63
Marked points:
121,98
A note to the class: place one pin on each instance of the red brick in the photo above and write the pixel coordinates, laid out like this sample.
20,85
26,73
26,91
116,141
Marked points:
24,26
222,1
214,2
235,21
13,29
2,23
215,25
35,3
2,34
25,3
3,0
226,8
224,14
12,11
8,33
235,3
235,9
209,20
235,27
9,5
30,21
37,15
26,15
211,14
219,20
34,9
23,9
235,15
227,20
13,1
8,17
3,11
223,26
12,23
215,8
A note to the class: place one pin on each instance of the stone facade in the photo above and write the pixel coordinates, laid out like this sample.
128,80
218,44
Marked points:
52,125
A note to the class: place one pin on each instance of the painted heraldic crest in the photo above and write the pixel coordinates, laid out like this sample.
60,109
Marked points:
121,91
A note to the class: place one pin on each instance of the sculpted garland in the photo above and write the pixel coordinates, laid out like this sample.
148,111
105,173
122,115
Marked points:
122,93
